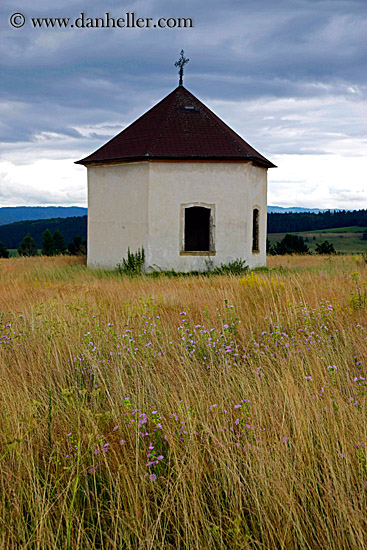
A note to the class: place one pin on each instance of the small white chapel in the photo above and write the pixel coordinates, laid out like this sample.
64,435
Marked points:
181,184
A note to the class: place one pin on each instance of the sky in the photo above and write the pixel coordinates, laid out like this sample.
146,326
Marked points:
288,76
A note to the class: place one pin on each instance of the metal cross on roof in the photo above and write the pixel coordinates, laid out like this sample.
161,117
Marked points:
181,63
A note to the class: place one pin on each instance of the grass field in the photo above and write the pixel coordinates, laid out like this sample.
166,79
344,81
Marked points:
346,240
13,252
186,413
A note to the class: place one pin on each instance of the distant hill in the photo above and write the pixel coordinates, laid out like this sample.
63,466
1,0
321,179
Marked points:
12,234
11,214
296,209
310,221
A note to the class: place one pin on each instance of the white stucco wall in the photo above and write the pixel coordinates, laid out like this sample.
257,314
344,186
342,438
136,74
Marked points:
140,204
117,211
234,188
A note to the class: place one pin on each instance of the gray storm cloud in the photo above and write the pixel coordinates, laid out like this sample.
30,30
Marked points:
288,76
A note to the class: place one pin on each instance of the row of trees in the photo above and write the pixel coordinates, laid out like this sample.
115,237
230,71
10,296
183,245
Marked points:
52,245
293,244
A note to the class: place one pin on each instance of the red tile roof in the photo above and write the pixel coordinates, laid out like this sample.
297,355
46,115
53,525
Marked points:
179,127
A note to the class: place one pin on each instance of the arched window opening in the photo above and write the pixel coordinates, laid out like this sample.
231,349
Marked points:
197,229
255,230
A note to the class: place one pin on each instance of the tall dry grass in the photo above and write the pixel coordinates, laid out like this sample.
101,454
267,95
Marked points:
218,412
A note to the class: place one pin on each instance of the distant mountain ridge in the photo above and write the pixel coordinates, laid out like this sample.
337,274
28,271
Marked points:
12,214
299,209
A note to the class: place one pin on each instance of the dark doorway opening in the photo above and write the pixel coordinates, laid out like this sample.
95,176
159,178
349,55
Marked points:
197,229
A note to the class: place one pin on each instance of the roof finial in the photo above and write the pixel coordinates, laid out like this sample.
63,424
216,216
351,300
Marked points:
181,63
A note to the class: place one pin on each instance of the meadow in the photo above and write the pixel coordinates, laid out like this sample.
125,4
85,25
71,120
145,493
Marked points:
346,240
183,413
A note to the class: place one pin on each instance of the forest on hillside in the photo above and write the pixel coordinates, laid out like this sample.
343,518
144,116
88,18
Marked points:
12,234
308,221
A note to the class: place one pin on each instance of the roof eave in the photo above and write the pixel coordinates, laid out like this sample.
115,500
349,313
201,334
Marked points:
264,163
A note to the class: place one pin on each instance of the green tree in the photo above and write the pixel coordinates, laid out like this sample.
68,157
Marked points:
48,245
28,246
4,252
59,242
325,248
291,244
77,247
